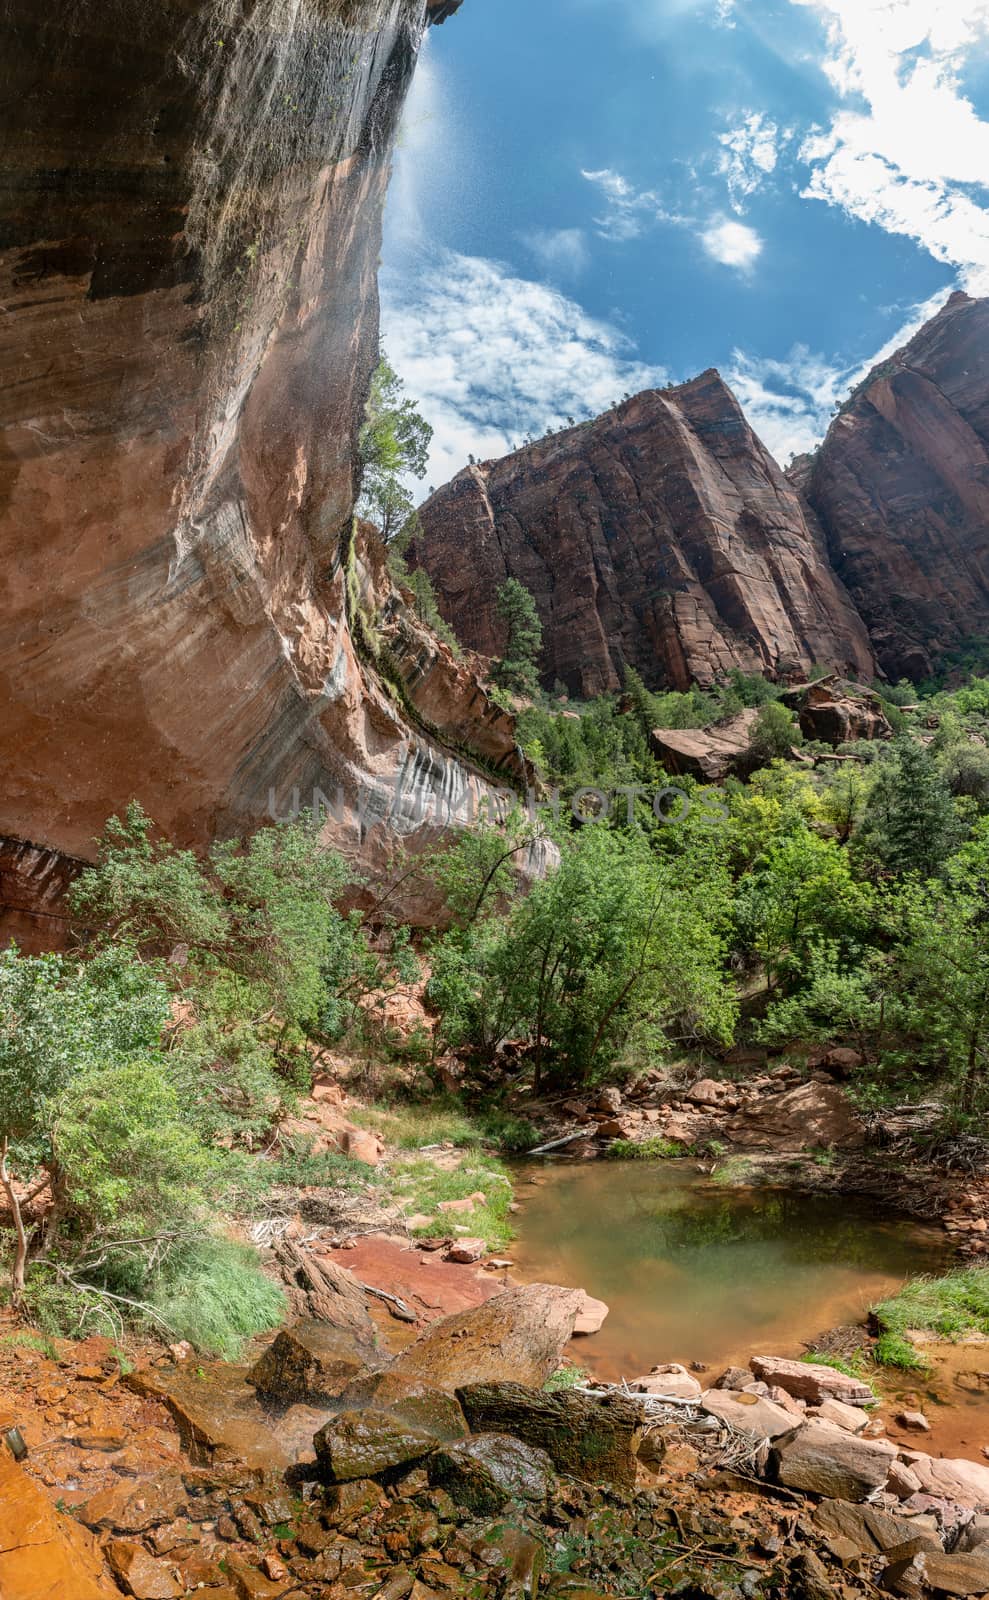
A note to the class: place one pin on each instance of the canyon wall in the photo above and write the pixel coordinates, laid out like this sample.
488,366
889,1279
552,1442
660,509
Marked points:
901,487
189,234
661,536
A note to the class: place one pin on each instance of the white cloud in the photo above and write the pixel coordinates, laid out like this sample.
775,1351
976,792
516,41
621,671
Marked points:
790,402
905,151
491,357
750,154
734,244
628,210
560,250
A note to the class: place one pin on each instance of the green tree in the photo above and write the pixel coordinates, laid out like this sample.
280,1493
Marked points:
394,445
774,733
60,1017
910,825
801,891
518,669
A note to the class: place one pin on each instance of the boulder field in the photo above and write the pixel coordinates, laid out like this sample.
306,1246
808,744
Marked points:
439,1473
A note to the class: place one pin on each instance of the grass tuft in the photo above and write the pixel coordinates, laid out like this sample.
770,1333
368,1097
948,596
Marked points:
950,1307
217,1297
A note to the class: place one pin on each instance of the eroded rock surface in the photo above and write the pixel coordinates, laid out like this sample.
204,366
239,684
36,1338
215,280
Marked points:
661,536
43,1555
901,488
190,235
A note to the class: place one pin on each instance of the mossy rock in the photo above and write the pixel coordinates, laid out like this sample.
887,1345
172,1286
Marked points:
591,1439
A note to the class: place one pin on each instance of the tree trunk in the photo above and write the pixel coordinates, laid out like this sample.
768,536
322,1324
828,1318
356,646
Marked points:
20,1251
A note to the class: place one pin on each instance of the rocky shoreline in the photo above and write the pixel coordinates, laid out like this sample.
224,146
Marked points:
335,1466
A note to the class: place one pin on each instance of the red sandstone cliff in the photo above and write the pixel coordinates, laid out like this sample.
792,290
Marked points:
662,536
901,486
189,233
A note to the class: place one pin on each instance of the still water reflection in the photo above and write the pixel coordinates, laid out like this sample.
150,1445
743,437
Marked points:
694,1272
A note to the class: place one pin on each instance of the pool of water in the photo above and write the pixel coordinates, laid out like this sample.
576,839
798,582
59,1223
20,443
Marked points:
695,1272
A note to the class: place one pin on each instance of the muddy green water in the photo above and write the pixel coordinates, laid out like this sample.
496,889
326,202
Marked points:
694,1272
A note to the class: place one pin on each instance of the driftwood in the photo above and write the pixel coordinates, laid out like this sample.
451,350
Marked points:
324,1291
569,1138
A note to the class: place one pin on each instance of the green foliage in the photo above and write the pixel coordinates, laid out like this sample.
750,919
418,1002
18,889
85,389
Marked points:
893,1350
607,958
801,891
216,1296
950,1307
564,1378
655,1149
834,1001
420,1186
424,600
774,733
394,445
910,825
129,1160
518,669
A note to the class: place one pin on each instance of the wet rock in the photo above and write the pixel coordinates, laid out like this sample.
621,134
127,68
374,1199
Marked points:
820,1459
218,1413
250,1584
44,1555
811,1382
130,1507
589,1439
518,1336
514,1552
363,1444
492,1471
672,1380
747,1412
346,1503
312,1361
421,1405
591,1316
140,1573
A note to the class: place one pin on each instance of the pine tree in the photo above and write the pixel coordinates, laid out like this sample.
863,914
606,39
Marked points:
518,670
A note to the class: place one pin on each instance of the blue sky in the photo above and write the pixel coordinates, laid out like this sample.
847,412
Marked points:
595,196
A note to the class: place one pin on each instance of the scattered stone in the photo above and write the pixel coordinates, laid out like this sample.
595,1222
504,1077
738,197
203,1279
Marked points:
733,1378
609,1101
590,1317
902,1480
130,1507
870,1530
363,1444
590,1439
955,1574
516,1337
707,1092
965,1482
842,1063
467,1251
851,1418
311,1362
748,1413
492,1471
913,1421
671,1380
821,1459
140,1573
812,1382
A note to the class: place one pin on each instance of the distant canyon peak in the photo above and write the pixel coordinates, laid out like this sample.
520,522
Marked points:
664,536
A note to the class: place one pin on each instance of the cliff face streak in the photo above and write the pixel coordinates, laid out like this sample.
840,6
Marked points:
901,486
189,232
662,536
